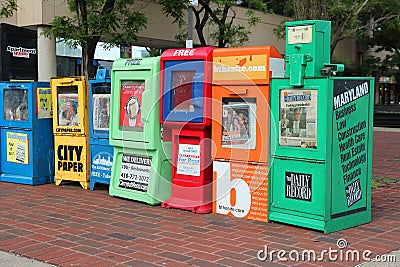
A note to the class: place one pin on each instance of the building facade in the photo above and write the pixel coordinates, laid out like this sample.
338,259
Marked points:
160,32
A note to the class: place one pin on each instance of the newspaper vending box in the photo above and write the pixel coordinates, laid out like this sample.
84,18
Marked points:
186,116
141,168
101,152
321,145
241,94
26,133
70,127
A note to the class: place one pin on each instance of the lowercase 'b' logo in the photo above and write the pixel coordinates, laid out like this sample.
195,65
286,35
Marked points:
239,203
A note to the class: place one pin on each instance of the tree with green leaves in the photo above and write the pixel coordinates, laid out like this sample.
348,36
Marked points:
348,17
220,15
386,38
7,8
383,36
110,21
309,9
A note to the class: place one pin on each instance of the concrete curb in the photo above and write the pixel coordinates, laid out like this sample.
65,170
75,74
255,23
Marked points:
13,260
384,129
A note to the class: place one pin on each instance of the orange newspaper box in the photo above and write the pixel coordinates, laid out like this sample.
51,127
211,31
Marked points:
240,118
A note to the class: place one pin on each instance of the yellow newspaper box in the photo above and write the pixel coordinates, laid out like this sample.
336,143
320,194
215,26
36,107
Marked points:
70,127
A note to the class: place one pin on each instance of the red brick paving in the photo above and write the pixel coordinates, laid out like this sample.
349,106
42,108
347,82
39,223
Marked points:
386,154
68,226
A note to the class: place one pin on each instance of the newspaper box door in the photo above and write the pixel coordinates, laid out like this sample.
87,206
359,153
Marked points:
69,105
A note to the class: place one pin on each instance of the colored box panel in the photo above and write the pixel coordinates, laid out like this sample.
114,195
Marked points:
183,91
20,103
135,104
298,183
101,159
72,159
352,125
241,190
17,152
311,141
70,108
141,175
22,161
177,66
239,121
246,65
191,171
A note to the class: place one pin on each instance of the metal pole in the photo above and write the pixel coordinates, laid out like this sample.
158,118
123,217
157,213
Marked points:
189,41
322,9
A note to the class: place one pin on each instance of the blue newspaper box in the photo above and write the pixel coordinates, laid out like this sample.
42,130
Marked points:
27,154
101,152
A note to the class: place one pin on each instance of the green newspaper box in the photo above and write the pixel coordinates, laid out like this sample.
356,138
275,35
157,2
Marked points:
141,168
321,137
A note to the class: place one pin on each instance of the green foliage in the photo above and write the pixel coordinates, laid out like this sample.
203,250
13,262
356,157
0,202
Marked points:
279,7
383,36
220,14
387,38
174,9
279,31
370,66
348,17
7,8
381,182
153,52
111,21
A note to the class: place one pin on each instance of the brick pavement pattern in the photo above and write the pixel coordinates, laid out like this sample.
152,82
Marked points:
386,154
68,226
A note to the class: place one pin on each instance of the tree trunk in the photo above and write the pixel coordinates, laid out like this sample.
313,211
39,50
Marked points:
309,9
87,68
200,24
221,25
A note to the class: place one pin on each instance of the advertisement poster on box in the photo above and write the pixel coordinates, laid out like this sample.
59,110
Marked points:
44,103
246,67
68,114
239,125
131,105
351,128
188,160
101,112
17,148
298,118
135,172
241,190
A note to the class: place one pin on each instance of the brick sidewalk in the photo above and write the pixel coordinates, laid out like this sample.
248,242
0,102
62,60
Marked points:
68,226
386,154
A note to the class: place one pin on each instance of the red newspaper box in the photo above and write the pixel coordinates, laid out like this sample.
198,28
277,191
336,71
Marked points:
186,117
